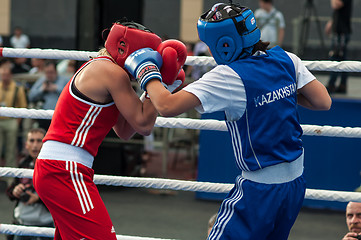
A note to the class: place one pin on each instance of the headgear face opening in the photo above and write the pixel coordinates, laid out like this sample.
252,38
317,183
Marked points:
228,30
127,37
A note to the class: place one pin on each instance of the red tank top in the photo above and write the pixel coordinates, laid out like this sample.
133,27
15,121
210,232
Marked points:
79,122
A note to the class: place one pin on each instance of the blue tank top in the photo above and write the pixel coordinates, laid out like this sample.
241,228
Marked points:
269,132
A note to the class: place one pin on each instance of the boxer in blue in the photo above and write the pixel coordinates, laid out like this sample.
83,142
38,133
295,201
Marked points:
258,89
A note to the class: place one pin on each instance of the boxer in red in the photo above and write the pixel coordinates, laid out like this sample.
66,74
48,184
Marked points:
99,97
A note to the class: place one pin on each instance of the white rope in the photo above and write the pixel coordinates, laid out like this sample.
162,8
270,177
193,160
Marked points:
11,229
157,183
327,195
26,113
160,183
16,172
188,123
331,131
200,61
171,184
333,66
47,53
344,66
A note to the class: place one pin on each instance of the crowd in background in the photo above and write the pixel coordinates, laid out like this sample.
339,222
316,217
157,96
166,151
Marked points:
27,83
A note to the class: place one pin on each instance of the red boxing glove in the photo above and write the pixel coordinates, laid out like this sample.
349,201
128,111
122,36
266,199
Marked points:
178,83
174,54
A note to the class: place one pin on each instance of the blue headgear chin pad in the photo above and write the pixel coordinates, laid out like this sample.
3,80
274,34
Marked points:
227,30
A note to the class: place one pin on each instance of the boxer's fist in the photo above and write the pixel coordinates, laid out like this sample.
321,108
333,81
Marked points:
174,54
144,65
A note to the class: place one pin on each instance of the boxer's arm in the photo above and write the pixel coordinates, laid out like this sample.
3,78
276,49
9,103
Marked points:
138,116
314,96
123,129
170,105
167,104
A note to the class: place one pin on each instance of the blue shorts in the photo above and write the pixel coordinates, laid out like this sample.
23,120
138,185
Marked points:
259,211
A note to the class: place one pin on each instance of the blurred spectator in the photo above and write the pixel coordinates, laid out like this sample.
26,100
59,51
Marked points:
189,47
29,209
19,39
37,66
71,68
47,90
200,49
5,61
271,23
340,30
11,95
20,66
188,68
353,221
67,68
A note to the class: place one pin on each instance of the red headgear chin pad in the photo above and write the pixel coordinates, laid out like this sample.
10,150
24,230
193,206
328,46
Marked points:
174,54
123,41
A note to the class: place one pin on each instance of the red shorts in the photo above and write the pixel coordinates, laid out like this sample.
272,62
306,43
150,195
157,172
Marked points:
68,190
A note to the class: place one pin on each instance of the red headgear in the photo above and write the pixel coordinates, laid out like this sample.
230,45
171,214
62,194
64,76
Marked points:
125,38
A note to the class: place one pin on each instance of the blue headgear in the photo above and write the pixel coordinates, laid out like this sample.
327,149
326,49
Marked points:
229,31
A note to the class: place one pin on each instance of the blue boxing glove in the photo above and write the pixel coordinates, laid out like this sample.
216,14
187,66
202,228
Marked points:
144,65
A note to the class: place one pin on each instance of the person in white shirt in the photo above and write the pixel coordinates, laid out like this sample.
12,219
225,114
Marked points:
19,39
271,23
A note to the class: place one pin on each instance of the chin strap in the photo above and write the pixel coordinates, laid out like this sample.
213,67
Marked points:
246,52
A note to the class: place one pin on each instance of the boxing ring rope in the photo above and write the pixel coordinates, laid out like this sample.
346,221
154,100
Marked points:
185,185
344,66
209,124
12,229
188,123
47,53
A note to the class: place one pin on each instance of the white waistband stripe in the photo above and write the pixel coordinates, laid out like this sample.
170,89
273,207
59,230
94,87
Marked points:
279,173
54,150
